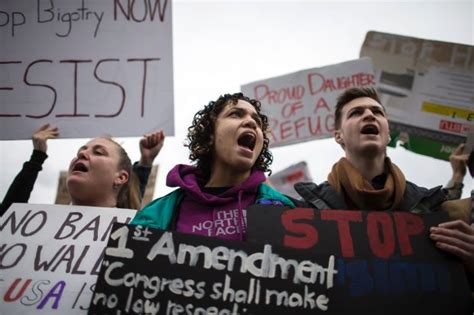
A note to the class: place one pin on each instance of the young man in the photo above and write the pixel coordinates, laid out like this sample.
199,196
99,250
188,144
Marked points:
366,179
228,141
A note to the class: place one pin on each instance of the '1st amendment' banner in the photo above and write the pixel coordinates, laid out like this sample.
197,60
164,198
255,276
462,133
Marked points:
332,269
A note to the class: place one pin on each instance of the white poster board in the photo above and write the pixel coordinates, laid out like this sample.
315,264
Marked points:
300,105
89,67
427,88
284,180
50,256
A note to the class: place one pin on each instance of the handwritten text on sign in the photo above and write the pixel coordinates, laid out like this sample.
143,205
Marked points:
301,104
89,67
156,272
386,261
50,256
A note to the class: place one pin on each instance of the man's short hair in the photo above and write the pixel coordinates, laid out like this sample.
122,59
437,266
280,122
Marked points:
351,94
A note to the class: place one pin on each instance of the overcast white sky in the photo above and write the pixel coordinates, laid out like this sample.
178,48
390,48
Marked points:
219,45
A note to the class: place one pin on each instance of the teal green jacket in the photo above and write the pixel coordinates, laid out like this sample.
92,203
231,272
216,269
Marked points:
160,213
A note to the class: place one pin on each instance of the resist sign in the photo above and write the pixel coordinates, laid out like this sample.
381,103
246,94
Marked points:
88,67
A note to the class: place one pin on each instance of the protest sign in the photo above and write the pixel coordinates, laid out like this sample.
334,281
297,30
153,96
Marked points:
284,180
50,256
300,105
385,261
158,272
150,271
88,67
427,87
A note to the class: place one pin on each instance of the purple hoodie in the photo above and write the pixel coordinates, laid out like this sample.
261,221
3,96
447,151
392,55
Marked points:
222,216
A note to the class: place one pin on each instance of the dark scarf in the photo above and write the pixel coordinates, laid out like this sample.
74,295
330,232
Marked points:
360,194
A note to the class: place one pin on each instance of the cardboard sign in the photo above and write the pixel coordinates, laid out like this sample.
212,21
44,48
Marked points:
284,180
157,272
50,256
88,67
149,271
385,261
427,87
300,105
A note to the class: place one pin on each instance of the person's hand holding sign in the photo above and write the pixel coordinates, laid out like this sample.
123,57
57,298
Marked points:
457,238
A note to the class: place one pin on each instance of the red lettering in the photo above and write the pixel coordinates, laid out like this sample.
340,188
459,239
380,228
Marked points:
450,126
380,224
294,177
315,83
343,217
307,233
257,89
301,128
8,296
315,129
329,84
329,123
321,103
318,83
263,93
300,123
369,79
290,109
407,224
286,130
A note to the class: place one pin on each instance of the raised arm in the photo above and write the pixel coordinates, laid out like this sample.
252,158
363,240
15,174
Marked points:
21,187
458,161
150,147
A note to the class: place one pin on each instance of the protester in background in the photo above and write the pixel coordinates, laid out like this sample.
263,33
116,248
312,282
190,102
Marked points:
101,175
366,179
228,143
22,185
458,161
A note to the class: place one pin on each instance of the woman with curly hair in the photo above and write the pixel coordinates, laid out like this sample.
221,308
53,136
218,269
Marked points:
228,143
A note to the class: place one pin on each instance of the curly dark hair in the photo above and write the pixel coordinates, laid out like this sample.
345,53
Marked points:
201,132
